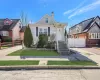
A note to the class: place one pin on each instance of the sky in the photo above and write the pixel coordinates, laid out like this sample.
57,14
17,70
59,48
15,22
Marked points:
66,11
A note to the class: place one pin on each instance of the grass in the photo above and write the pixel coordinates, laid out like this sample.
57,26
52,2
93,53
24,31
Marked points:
84,63
18,62
4,47
34,53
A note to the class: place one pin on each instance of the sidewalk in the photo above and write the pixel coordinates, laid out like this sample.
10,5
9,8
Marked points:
37,58
90,55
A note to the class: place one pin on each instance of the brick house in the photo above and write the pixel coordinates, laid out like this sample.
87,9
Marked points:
10,28
22,32
88,29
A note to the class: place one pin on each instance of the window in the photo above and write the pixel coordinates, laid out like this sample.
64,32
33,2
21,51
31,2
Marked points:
5,33
36,31
45,31
94,35
40,31
48,31
7,23
46,20
97,36
77,36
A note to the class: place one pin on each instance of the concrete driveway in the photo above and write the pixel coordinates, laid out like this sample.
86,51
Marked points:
92,50
91,53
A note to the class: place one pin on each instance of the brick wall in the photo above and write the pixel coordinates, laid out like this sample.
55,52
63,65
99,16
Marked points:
10,34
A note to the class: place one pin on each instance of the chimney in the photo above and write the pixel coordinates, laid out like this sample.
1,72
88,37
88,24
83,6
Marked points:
52,14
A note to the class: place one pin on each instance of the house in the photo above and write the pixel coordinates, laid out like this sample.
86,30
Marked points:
10,28
48,25
89,30
22,30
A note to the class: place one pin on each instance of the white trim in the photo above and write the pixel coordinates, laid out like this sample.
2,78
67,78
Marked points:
94,35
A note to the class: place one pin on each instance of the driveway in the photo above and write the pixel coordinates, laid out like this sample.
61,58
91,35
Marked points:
92,50
91,53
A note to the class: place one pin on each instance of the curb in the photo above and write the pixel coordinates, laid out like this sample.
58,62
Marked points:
35,67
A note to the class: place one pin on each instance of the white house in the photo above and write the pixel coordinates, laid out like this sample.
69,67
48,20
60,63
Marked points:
48,25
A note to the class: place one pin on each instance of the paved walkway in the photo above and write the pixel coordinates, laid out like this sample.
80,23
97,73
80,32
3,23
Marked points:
20,58
43,62
4,52
89,53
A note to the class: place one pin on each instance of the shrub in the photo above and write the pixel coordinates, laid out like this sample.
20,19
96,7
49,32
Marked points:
50,45
43,39
28,38
65,34
7,39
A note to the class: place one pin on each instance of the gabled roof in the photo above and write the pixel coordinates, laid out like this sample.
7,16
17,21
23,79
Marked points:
88,25
51,20
8,27
83,22
92,26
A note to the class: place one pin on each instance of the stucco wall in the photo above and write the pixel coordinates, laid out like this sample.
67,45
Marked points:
15,31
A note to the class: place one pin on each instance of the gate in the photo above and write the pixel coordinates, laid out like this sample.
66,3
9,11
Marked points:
78,42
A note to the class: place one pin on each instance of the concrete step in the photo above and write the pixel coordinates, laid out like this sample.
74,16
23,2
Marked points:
63,50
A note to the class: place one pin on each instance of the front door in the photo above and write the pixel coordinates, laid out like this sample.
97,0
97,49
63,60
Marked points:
59,34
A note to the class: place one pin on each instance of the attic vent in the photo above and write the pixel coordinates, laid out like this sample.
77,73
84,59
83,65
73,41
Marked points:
7,21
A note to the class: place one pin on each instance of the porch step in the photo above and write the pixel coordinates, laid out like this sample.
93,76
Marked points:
63,50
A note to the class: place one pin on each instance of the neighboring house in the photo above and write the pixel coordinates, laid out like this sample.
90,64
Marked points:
89,30
22,32
10,28
47,25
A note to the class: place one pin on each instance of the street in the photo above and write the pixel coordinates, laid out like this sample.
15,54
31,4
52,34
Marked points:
82,74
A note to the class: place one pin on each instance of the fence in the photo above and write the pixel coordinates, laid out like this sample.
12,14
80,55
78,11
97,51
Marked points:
72,42
10,44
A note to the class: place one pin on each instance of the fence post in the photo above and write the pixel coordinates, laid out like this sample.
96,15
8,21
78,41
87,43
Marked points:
12,42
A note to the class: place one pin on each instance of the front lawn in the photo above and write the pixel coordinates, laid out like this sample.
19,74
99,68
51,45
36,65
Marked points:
84,63
18,62
32,52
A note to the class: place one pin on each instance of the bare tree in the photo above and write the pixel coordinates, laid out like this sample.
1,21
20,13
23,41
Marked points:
52,37
23,18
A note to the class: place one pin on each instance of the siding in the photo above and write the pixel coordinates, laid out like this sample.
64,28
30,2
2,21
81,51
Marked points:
15,31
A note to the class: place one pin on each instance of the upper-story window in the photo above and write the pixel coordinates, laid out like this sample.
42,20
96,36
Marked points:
46,20
78,29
